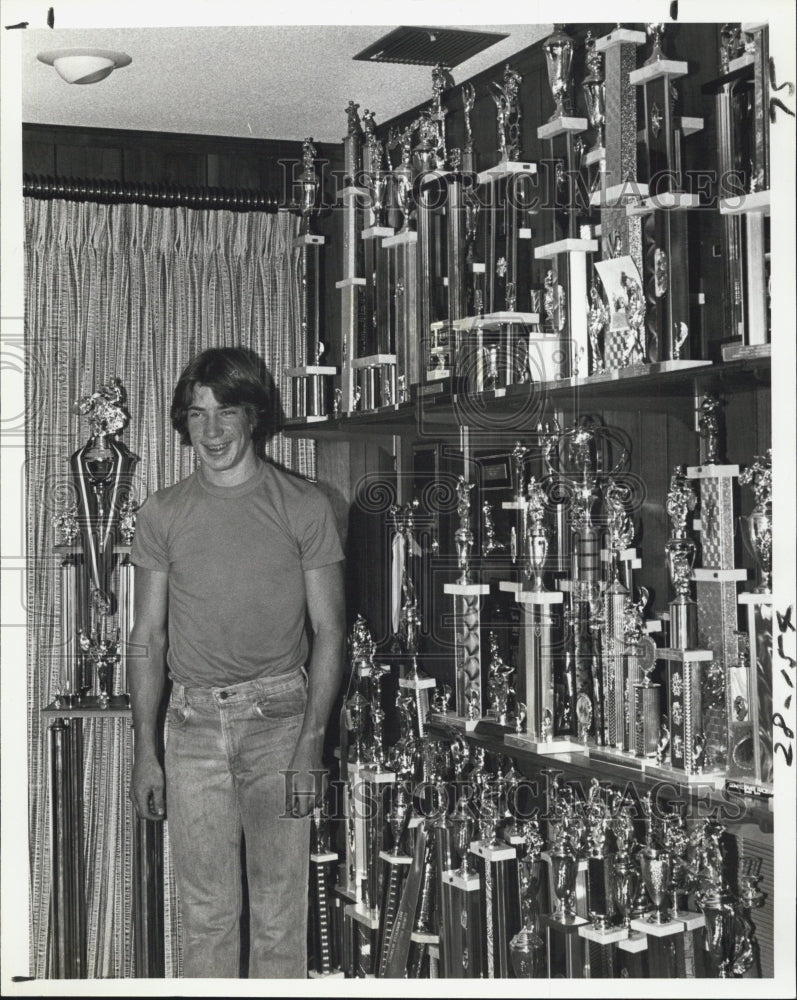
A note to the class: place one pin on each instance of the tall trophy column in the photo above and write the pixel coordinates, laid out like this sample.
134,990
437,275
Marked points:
312,382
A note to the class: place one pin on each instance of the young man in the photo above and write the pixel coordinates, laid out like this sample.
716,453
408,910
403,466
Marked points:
231,563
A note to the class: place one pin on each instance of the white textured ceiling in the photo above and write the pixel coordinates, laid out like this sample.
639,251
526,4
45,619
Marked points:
264,81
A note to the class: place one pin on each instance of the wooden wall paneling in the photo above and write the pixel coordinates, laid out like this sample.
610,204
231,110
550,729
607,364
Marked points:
97,162
39,158
168,165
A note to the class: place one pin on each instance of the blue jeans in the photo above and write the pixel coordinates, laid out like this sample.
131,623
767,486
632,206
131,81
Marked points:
224,751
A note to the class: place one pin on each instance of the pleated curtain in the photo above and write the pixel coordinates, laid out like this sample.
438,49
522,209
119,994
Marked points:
128,292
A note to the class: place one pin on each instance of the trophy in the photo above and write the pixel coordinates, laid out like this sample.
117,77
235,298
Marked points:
310,183
708,425
376,178
757,526
322,911
625,874
104,655
356,708
527,947
655,32
646,694
463,536
597,321
599,873
491,543
558,49
402,180
656,869
731,45
594,87
498,682
467,598
564,866
729,932
508,111
680,552
127,519
396,863
537,535
66,525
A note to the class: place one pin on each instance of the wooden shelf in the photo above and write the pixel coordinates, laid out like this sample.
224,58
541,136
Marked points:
518,407
118,707
701,799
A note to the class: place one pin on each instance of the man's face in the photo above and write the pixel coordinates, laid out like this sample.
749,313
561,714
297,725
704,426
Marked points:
221,435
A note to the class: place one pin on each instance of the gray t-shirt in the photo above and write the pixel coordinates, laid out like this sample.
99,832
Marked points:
236,556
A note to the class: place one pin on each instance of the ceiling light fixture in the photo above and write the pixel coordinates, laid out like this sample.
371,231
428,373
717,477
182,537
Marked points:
84,65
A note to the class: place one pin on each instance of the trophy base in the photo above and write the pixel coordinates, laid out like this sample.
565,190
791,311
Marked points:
566,923
492,852
655,929
417,683
506,167
363,915
558,744
672,68
634,943
421,937
468,883
714,779
561,125
395,859
739,352
337,974
691,921
613,755
610,936
457,721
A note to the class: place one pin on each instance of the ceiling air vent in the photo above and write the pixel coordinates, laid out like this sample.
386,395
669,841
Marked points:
429,46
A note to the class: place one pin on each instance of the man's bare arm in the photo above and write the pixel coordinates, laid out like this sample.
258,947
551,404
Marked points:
326,608
146,673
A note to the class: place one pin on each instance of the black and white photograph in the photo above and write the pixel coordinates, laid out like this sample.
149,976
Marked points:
398,499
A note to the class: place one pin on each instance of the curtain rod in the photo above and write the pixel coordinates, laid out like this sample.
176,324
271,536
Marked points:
158,195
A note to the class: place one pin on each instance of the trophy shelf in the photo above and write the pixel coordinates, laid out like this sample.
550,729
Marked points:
749,811
118,707
654,387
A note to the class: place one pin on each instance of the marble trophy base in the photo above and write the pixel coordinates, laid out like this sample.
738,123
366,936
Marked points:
610,936
666,929
561,125
337,974
504,169
457,721
554,745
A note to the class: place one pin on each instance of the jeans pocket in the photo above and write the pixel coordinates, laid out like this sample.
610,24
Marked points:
282,706
178,714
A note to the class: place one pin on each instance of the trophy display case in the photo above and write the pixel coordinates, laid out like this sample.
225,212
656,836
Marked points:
567,350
